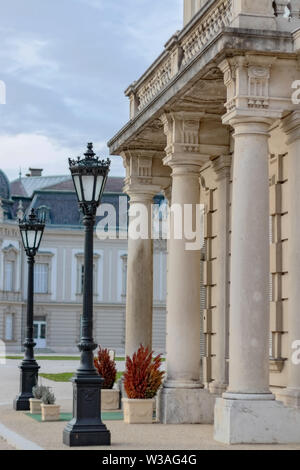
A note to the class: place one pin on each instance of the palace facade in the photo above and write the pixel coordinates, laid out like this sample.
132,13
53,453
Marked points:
59,268
215,120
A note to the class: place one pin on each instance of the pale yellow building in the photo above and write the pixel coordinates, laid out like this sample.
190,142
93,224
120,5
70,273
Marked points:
59,269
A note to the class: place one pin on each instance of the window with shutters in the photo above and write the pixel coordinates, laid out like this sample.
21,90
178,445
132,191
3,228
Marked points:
10,258
41,278
9,276
9,327
80,273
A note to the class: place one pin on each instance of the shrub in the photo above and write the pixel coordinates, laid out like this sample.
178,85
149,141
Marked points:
106,367
38,391
142,377
48,398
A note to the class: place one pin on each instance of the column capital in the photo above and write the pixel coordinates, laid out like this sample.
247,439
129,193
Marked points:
247,79
145,174
189,139
291,126
222,166
140,194
246,125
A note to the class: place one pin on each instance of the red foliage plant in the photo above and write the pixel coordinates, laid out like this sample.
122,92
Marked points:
142,377
106,367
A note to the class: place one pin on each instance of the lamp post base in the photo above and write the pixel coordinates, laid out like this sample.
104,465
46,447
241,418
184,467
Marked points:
28,380
86,427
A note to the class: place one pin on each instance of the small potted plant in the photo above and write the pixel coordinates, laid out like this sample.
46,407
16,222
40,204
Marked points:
50,411
36,401
106,367
142,379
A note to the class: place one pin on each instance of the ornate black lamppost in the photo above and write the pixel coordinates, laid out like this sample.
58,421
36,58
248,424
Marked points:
32,229
86,428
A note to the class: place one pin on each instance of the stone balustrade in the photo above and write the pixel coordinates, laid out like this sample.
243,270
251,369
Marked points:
287,8
209,26
186,45
181,49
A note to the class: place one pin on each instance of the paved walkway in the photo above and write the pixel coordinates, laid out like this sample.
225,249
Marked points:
4,445
25,432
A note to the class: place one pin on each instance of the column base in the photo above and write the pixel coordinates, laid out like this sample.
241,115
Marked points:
255,422
290,397
185,406
28,379
217,388
86,427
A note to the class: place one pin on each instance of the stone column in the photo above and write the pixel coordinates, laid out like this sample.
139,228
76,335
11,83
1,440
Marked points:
144,179
222,167
248,412
291,126
249,319
139,298
182,399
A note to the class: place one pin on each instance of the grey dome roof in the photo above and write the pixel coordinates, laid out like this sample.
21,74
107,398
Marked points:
4,186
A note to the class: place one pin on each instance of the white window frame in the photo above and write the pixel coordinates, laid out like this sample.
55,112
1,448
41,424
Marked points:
43,258
10,255
80,273
10,337
9,276
41,278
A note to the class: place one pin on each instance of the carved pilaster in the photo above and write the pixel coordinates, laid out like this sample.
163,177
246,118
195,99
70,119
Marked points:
145,173
247,79
183,138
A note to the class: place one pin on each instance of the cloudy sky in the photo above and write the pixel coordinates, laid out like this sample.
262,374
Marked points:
66,64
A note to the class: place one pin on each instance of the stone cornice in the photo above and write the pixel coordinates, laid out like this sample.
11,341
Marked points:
187,137
226,41
145,174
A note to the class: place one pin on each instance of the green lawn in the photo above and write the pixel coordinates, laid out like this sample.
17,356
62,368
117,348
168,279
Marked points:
57,358
66,376
62,377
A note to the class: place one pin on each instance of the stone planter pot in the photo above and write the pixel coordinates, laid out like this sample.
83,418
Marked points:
138,411
50,412
35,406
110,399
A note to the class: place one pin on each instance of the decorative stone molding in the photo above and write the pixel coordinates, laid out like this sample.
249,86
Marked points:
212,23
145,174
251,73
186,143
277,365
20,212
9,232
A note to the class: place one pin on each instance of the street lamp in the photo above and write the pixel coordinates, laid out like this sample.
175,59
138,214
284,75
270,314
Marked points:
32,229
86,428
